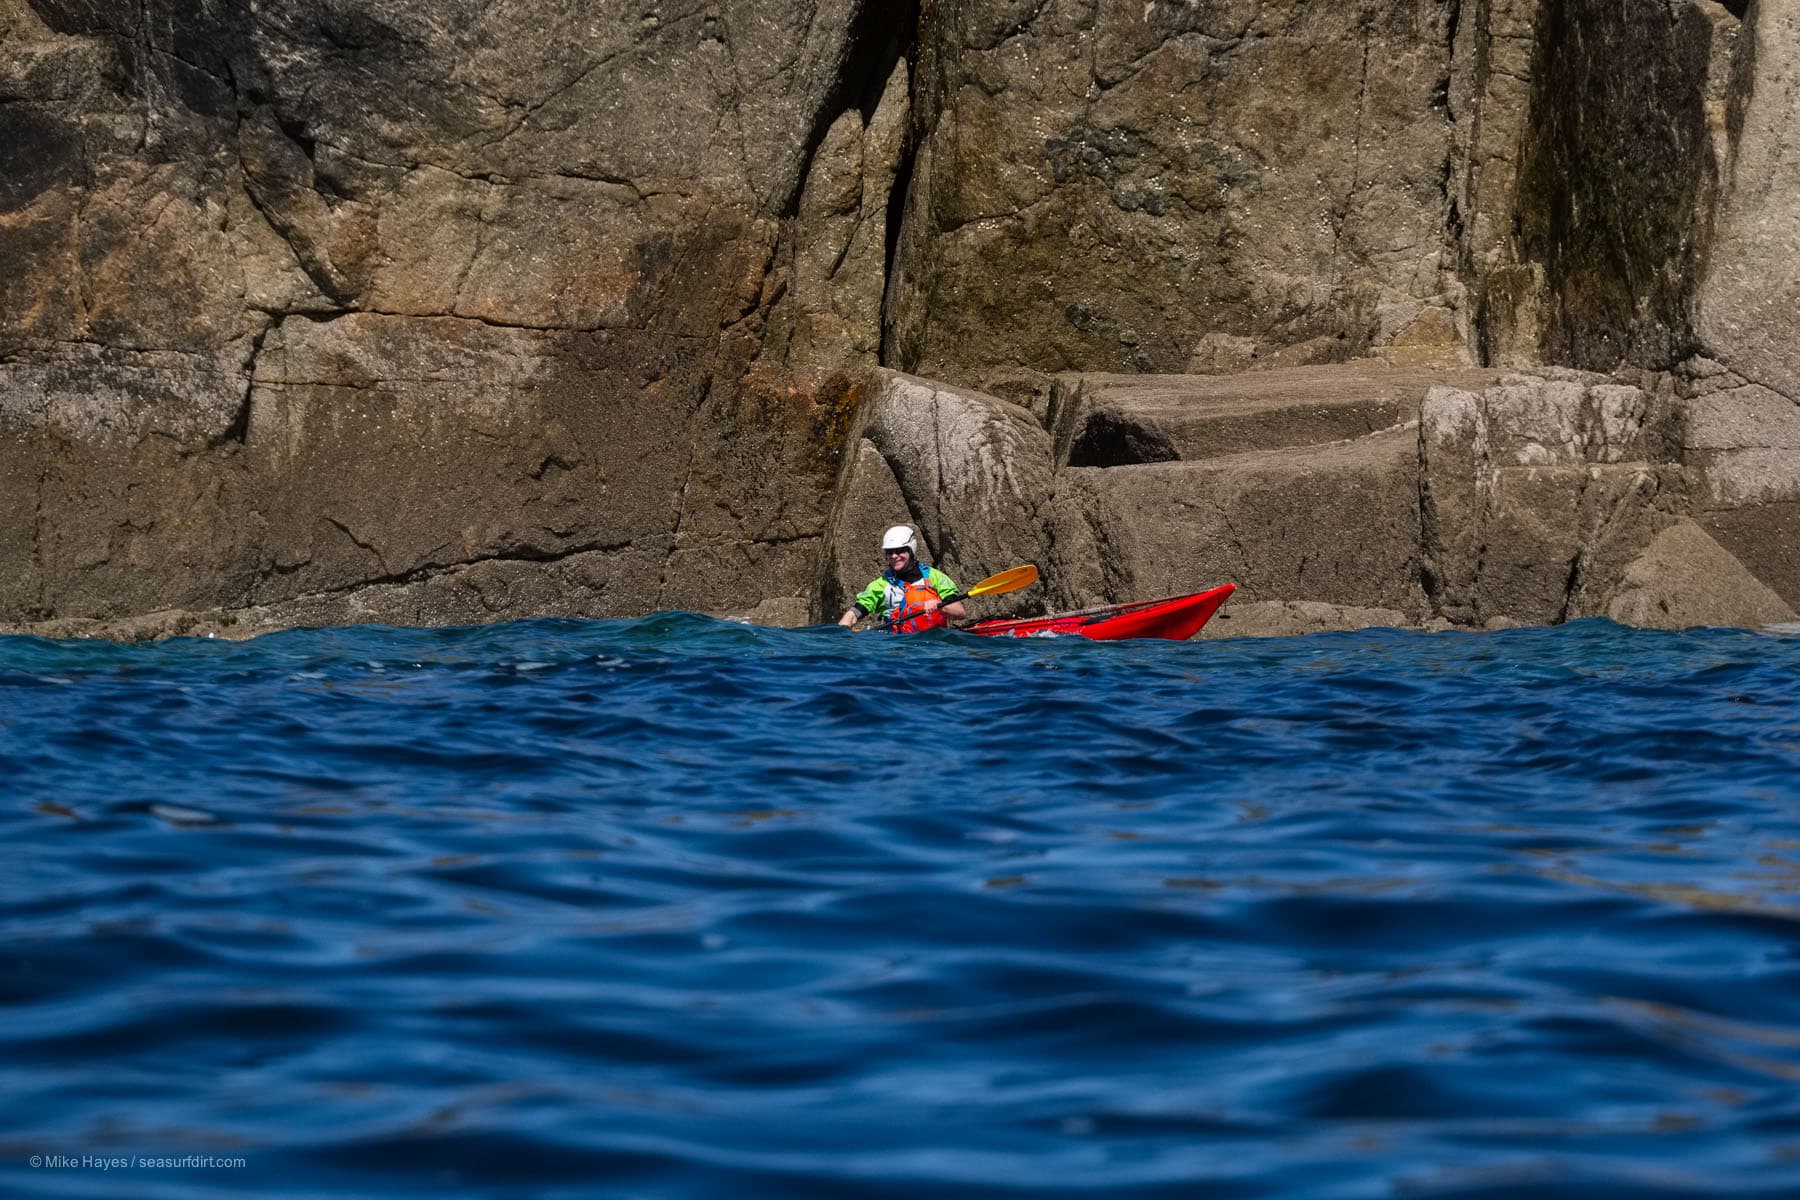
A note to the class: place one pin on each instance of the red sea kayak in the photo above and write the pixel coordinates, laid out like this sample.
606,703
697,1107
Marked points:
1176,618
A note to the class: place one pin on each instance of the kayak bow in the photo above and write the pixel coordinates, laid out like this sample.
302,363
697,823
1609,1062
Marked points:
1176,618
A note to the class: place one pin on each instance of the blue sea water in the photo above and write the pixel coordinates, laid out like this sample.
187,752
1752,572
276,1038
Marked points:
682,909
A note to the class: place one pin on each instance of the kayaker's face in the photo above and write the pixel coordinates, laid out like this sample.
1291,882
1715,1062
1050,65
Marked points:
898,559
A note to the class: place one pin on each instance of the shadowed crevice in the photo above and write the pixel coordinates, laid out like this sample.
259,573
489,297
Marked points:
1110,440
1617,179
896,223
882,33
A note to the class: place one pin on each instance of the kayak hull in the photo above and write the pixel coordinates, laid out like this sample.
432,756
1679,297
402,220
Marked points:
1175,618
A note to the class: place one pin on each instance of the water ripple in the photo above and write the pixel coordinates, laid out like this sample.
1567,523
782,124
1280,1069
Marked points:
680,908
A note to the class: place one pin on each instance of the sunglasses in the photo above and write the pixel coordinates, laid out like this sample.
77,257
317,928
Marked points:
901,550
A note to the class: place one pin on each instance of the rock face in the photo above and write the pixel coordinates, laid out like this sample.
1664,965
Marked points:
1686,578
1465,311
1174,483
1614,187
1173,186
970,472
1537,492
1751,292
301,299
1478,498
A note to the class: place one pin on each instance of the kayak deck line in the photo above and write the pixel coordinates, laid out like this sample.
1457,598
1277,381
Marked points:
1175,618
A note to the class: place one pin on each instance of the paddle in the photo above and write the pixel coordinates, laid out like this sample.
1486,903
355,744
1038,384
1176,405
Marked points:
994,585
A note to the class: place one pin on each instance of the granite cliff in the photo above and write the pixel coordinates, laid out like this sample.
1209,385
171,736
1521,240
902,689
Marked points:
1465,312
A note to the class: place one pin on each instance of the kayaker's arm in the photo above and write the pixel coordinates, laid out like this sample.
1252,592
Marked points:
952,603
864,603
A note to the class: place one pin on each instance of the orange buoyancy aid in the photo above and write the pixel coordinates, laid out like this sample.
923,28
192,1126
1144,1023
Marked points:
903,597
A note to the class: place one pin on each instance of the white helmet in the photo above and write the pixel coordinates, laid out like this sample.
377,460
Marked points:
900,537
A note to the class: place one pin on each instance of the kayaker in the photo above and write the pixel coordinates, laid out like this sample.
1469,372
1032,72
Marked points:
911,594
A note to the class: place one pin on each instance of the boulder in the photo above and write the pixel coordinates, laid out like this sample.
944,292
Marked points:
1685,578
1765,538
1538,490
1334,524
973,471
